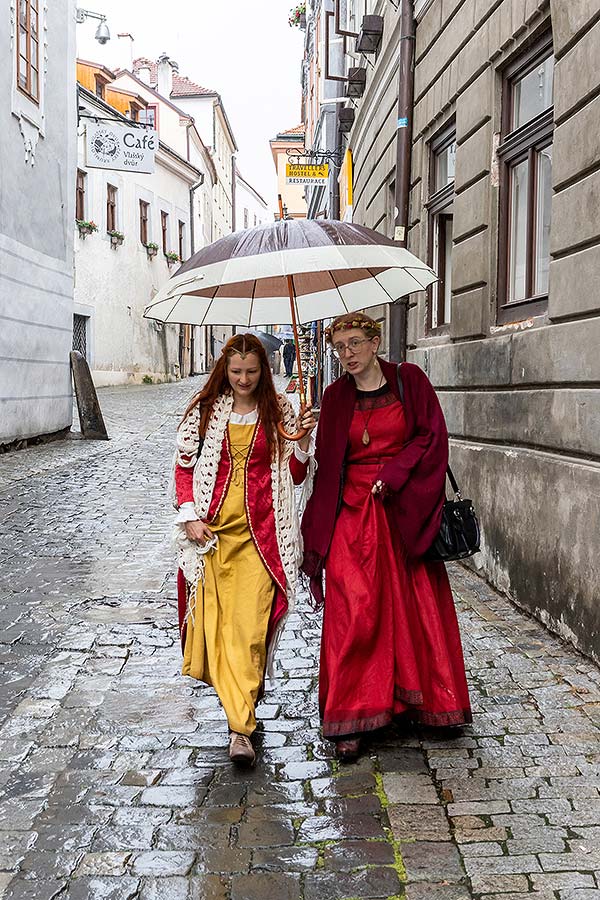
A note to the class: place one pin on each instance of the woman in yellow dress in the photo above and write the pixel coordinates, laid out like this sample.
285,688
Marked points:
237,530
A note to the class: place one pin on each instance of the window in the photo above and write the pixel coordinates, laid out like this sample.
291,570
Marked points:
440,208
100,86
111,208
245,218
80,195
80,324
149,116
28,66
255,223
181,234
144,221
134,114
164,227
525,155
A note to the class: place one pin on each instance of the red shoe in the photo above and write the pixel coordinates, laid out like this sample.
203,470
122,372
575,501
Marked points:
347,749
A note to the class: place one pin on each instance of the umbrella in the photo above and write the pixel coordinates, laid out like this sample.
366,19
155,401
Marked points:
269,341
289,271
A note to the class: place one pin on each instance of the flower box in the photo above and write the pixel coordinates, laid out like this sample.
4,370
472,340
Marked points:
151,249
297,16
116,238
172,257
85,227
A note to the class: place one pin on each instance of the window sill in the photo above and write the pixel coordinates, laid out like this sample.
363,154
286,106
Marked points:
519,310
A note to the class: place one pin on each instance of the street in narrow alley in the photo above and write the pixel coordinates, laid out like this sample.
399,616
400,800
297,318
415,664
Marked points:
114,776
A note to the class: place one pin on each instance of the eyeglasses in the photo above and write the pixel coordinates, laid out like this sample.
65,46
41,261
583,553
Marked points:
352,346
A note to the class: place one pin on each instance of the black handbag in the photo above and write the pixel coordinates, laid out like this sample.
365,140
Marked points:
459,534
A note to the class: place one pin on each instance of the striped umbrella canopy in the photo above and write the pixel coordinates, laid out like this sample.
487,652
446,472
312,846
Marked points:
291,270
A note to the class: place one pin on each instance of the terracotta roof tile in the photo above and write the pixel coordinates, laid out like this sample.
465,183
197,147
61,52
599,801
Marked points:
297,129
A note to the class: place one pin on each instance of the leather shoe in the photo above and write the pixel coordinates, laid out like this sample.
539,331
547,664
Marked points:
348,749
241,750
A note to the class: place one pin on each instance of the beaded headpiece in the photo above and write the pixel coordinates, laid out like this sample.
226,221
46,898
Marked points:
358,320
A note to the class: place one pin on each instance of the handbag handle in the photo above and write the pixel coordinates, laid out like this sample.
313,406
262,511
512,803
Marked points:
449,471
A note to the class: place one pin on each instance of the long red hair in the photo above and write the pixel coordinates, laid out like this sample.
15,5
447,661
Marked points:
267,404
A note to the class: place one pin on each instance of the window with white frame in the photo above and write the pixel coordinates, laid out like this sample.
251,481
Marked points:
441,210
525,155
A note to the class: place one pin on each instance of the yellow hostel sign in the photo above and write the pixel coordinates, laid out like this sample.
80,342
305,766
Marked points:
309,174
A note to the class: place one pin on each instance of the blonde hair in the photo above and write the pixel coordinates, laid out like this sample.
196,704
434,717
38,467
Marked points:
348,321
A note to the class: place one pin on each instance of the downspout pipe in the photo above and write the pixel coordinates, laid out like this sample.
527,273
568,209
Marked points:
406,88
193,188
339,147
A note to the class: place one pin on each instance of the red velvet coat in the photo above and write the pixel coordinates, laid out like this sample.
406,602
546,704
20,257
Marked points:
416,477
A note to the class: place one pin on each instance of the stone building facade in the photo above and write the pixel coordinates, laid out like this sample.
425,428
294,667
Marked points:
37,170
505,188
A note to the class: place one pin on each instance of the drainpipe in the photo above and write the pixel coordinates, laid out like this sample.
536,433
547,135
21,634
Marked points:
233,194
194,187
339,146
406,84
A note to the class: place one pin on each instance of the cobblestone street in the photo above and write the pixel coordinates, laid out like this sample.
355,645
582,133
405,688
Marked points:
114,777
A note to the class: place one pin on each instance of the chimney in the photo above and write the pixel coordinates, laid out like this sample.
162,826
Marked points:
165,76
144,73
125,51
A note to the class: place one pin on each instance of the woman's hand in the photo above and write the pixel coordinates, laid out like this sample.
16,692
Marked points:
380,489
308,421
197,531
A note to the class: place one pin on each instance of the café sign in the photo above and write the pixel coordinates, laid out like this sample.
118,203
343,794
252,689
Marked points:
306,174
110,145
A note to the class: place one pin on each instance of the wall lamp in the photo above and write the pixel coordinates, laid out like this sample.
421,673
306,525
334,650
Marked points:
102,33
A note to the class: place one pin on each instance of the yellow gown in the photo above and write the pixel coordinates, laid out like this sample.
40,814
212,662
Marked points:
225,643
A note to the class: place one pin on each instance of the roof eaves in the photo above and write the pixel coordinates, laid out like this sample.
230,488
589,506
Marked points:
156,94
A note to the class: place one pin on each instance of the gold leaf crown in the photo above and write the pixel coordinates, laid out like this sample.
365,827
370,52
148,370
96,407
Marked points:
362,322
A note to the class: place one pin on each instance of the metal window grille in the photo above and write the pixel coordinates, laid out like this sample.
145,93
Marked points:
80,334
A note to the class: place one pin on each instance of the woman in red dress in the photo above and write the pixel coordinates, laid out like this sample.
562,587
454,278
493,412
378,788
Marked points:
390,642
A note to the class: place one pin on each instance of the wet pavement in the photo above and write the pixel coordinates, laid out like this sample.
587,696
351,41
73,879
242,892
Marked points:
114,778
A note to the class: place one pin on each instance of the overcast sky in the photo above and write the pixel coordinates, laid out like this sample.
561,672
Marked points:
245,51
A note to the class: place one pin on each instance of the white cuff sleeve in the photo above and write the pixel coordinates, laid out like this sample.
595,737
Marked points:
301,455
187,513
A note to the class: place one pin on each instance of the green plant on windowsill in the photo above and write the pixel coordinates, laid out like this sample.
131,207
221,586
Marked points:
151,248
297,17
172,257
85,227
116,238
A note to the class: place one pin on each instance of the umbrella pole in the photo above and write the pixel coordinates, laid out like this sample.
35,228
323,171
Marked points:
284,434
290,283
297,343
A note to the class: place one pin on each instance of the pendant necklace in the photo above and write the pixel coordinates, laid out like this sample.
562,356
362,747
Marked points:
366,438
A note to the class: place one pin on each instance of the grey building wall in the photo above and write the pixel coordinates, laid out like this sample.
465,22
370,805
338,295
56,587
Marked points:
522,400
37,177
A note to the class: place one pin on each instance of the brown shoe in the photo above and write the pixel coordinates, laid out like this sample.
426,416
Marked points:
347,749
241,749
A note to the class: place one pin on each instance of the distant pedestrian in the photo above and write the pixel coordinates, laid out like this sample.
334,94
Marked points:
289,355
239,544
390,642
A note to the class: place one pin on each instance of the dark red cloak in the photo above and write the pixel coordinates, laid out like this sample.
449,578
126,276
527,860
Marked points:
416,476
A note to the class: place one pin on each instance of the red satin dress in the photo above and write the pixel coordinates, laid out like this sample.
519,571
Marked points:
391,643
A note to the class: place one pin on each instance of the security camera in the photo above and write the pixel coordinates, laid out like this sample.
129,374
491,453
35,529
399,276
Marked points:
102,33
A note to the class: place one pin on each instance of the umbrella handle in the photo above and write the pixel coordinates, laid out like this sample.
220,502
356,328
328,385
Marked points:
290,437
293,437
